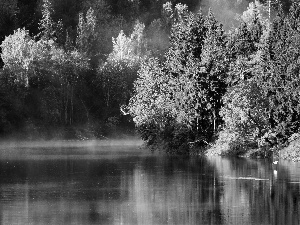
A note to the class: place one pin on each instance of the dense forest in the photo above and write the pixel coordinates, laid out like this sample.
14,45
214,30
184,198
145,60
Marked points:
184,73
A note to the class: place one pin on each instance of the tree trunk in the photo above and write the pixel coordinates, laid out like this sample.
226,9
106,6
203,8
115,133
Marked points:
214,120
72,106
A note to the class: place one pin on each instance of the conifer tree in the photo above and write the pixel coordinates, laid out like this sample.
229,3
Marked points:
189,83
294,16
213,60
86,32
46,24
282,84
183,66
245,109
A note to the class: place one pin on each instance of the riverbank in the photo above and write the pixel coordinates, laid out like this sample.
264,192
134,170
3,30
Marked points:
290,152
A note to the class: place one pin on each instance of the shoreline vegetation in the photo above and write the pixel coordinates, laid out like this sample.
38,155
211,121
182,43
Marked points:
236,92
187,83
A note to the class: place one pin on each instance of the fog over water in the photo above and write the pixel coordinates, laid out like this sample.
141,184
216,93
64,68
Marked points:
69,148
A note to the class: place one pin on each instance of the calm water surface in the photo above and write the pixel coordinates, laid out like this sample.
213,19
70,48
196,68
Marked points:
119,183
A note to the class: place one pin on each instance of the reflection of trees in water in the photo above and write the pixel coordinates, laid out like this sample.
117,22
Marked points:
151,190
285,197
274,200
174,191
62,191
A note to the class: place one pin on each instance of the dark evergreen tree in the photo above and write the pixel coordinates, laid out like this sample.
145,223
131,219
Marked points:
284,77
214,61
181,97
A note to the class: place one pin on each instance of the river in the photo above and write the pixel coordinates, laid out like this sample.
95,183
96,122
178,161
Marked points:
121,183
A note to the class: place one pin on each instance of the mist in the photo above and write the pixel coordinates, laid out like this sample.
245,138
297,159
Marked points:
228,12
225,11
58,150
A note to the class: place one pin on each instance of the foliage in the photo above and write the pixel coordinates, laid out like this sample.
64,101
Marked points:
116,80
115,77
102,9
47,70
245,110
213,59
46,25
86,31
185,90
17,54
151,102
261,104
255,10
130,49
283,66
183,65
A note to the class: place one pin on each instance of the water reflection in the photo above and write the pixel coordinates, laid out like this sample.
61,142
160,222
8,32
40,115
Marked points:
146,189
259,192
172,191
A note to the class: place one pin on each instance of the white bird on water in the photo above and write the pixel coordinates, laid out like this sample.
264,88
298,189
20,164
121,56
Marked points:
275,162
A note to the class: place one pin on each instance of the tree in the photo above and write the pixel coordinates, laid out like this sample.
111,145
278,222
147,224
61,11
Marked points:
196,58
102,10
18,52
46,24
245,111
293,16
281,86
86,32
40,64
67,68
255,11
187,36
150,103
108,25
152,106
174,98
214,61
118,73
116,79
132,48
